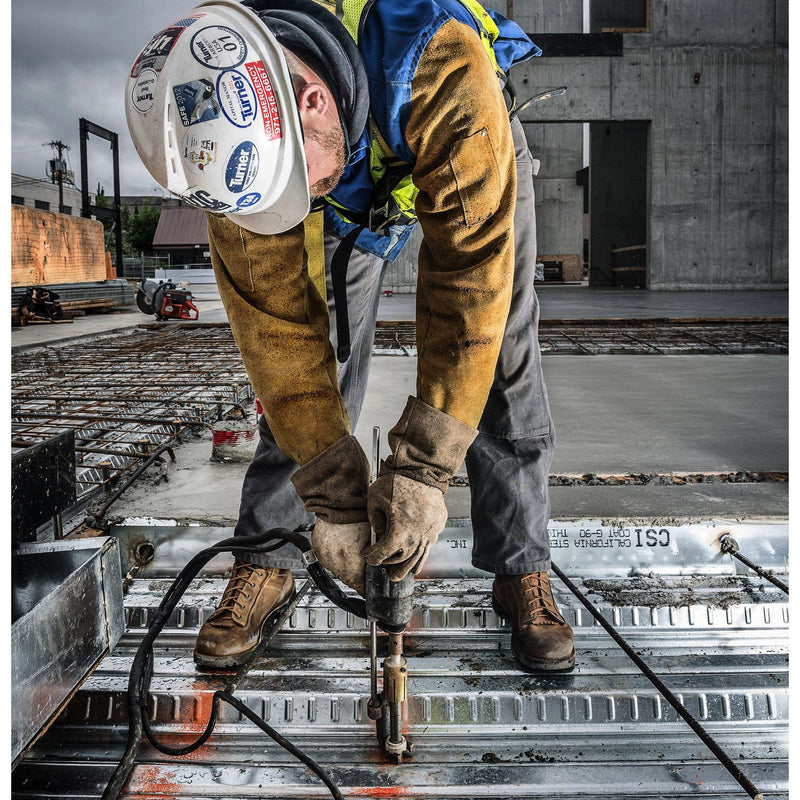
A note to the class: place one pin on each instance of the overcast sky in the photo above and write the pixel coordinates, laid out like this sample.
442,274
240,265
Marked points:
69,59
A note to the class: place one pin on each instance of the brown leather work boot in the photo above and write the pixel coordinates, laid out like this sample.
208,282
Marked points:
252,599
541,639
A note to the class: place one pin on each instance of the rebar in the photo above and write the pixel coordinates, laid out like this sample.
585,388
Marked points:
723,758
126,397
632,336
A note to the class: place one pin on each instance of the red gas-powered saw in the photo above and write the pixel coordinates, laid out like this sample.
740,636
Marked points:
166,300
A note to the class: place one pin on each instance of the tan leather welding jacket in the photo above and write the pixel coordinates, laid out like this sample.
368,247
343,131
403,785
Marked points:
438,109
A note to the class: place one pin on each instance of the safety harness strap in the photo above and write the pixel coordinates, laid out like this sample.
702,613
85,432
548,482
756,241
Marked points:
339,262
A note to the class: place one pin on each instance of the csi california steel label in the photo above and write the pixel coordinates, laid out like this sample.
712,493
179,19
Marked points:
196,101
237,98
143,93
199,152
266,99
159,47
242,167
218,47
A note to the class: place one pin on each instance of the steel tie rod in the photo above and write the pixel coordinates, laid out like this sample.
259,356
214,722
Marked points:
701,732
729,545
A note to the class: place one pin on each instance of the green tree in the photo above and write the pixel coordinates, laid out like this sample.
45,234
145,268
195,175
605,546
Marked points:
139,228
101,201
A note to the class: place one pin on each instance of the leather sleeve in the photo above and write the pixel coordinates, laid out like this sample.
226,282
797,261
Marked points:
280,324
466,175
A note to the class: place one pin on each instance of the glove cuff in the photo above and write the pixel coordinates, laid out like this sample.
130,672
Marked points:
333,485
428,445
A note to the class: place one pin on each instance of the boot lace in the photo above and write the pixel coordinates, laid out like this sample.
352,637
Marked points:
539,605
232,598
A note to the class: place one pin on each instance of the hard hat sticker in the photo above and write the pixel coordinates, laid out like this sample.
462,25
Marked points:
202,199
158,48
248,200
196,101
143,93
218,47
237,99
266,99
242,167
199,152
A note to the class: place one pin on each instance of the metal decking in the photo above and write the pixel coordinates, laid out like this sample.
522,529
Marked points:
716,634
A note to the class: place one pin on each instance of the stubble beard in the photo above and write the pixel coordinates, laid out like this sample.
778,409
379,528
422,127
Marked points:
331,141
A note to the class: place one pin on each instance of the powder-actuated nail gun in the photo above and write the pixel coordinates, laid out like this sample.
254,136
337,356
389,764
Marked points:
389,607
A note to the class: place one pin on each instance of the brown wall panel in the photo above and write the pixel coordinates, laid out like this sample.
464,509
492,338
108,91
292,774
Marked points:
50,248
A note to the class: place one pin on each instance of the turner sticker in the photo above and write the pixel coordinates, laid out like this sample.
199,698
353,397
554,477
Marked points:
196,101
237,98
218,47
242,167
143,94
158,48
266,99
199,152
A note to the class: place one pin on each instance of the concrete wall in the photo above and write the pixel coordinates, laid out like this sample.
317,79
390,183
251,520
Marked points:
559,200
712,79
717,215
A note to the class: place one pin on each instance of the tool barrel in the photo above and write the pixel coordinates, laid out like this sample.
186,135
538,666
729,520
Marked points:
389,602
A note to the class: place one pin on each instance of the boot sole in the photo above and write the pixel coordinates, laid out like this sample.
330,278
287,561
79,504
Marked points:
237,659
532,664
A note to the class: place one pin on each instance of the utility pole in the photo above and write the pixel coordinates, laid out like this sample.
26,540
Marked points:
58,171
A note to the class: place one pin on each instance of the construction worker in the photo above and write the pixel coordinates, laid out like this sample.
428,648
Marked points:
384,114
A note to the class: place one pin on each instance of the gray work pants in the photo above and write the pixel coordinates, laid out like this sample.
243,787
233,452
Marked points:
509,462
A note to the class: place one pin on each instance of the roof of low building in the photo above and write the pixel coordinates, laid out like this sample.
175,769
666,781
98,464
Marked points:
181,226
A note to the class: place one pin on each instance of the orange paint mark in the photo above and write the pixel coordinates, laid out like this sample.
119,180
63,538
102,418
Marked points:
153,783
378,791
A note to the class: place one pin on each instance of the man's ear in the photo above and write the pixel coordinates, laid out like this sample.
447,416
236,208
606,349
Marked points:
314,99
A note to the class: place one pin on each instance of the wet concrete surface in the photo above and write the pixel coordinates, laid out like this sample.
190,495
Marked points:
613,414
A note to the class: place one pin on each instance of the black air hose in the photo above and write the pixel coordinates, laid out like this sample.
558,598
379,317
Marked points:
142,667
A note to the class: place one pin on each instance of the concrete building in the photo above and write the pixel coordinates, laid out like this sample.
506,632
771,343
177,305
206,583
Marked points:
42,194
679,109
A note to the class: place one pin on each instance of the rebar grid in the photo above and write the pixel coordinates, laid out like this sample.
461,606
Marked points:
126,396
632,337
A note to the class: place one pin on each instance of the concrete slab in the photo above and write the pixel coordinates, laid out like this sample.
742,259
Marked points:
582,302
557,302
613,414
99,325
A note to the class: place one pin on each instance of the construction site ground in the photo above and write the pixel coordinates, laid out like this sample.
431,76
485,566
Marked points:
614,414
661,454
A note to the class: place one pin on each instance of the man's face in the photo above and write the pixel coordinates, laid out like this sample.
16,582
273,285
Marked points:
325,157
324,140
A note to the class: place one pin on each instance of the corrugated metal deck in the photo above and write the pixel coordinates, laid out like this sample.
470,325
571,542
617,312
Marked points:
715,633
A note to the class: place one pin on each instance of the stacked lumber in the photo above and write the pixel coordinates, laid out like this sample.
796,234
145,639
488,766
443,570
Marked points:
49,248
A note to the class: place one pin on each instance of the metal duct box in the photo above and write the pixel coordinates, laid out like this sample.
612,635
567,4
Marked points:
66,614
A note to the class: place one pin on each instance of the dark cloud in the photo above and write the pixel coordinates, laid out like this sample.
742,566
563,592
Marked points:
70,59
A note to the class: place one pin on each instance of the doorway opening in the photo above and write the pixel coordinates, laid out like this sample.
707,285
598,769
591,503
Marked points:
618,204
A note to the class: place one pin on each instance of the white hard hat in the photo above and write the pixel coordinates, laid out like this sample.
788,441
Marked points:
212,113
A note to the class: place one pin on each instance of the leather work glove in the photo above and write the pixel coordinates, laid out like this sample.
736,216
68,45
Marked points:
406,503
333,485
